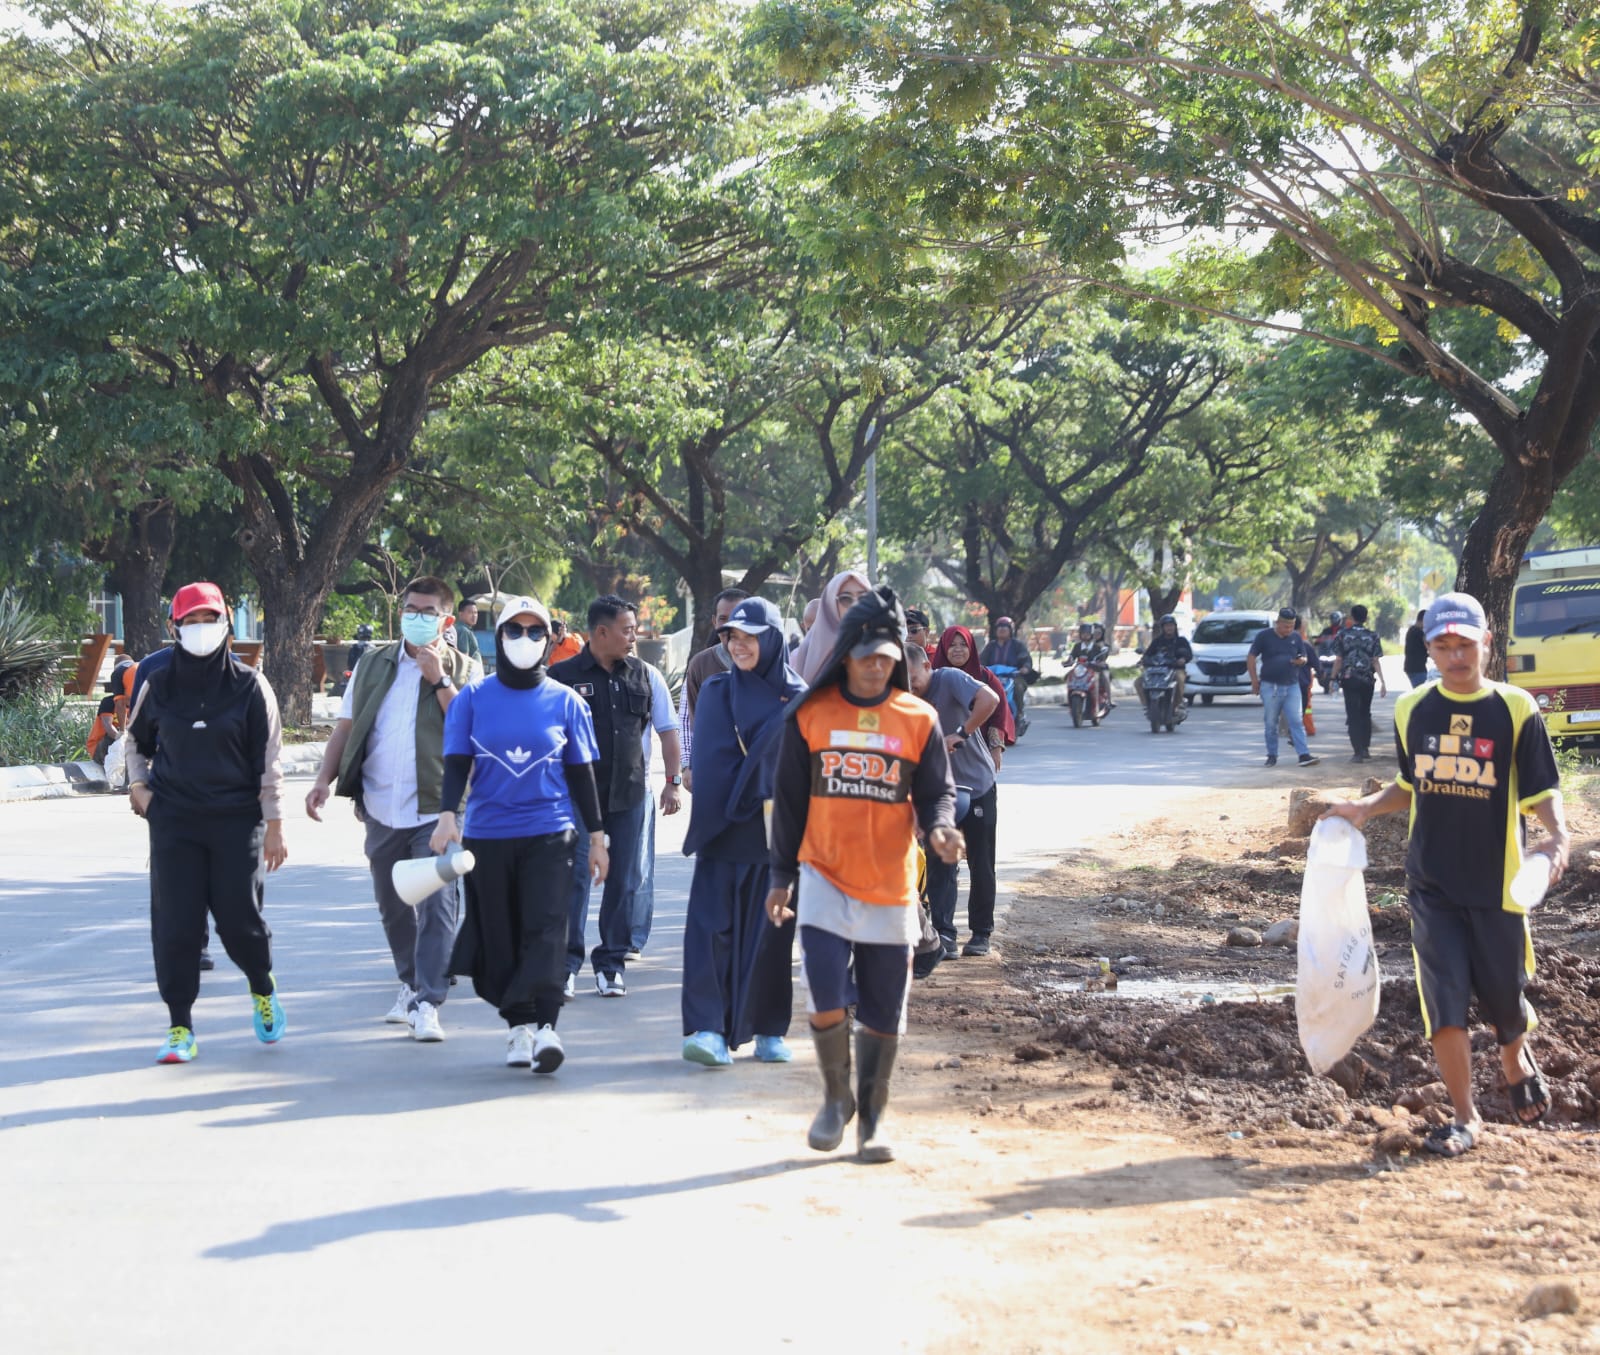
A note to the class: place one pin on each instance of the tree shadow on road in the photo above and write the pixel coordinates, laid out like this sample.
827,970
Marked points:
581,1204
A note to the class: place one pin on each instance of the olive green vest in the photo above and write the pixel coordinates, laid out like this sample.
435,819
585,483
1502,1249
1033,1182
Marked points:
374,675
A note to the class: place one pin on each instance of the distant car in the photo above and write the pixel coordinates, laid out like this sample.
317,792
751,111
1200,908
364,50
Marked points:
1221,643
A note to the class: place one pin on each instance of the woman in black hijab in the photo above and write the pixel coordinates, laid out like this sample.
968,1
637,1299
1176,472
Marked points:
736,964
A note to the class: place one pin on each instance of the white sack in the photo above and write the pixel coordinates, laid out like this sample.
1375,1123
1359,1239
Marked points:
1336,986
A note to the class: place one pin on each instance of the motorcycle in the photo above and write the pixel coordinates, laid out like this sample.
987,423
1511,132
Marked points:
1324,669
1008,684
1085,694
1161,698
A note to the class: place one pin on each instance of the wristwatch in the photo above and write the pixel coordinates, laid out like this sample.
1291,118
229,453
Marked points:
443,683
675,780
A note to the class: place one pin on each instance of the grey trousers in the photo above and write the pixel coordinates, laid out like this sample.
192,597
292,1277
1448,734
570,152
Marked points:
420,938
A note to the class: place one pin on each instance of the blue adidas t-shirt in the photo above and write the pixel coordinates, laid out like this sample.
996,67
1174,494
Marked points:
521,743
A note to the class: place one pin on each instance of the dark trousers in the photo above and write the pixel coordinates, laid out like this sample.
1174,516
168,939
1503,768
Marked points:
1358,712
421,937
513,940
624,836
978,827
206,865
737,967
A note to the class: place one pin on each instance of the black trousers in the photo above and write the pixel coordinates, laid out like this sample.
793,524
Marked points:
513,939
200,865
943,881
1358,712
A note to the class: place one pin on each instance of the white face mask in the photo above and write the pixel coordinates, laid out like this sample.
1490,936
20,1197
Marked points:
203,637
524,652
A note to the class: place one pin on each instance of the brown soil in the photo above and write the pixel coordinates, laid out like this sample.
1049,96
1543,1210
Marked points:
1338,1232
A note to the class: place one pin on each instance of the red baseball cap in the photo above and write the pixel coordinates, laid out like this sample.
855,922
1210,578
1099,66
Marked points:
198,597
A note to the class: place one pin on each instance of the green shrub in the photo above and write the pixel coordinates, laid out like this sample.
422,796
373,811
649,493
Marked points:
38,726
29,653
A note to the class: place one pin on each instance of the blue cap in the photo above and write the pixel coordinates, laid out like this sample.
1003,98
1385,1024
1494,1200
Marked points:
754,616
1455,614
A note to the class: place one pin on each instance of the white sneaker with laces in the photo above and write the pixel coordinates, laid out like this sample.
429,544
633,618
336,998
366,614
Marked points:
519,1047
400,1013
425,1026
547,1050
571,990
610,985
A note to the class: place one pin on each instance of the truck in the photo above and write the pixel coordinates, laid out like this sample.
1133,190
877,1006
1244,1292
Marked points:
1553,650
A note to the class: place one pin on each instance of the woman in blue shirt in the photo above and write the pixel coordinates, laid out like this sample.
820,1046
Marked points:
736,964
528,748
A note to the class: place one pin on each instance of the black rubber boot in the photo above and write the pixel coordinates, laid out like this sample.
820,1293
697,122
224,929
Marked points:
875,1063
838,1106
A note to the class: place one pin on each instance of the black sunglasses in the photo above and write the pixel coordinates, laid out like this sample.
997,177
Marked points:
515,630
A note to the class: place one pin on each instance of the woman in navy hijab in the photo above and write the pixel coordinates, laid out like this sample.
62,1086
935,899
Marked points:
737,978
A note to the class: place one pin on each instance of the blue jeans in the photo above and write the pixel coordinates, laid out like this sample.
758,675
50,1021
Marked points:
1283,698
624,831
642,884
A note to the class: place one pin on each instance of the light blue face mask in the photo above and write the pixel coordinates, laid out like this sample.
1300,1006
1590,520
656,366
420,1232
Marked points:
420,630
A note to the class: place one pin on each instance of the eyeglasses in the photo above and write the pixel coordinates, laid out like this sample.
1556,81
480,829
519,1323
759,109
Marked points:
431,613
515,630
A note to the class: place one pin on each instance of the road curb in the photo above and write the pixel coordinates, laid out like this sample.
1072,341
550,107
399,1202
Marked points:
59,781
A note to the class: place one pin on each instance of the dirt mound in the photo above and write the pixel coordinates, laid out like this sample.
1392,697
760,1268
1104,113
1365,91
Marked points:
1241,1062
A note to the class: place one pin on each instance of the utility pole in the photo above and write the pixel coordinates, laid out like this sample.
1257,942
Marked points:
872,503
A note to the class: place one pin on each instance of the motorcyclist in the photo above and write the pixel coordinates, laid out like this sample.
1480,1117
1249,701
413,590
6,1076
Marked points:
1167,649
1322,644
359,646
1091,647
1005,648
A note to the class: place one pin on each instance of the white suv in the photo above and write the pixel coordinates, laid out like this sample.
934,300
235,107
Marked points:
1220,643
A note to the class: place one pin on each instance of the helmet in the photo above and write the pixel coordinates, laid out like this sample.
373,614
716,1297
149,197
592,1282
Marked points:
1099,631
1336,617
363,631
1085,626
1168,617
1004,621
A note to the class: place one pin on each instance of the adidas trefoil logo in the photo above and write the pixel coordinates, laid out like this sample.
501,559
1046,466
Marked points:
518,755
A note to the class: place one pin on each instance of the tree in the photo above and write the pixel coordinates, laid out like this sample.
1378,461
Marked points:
1360,138
1028,464
304,223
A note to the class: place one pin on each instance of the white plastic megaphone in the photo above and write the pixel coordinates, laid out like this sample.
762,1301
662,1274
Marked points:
415,880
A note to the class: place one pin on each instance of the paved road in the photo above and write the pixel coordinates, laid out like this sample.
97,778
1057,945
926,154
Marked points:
349,1189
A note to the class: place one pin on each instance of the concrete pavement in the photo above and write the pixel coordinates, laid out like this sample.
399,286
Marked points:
349,1189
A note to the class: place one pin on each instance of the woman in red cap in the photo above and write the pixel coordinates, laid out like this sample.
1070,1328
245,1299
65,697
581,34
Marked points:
204,773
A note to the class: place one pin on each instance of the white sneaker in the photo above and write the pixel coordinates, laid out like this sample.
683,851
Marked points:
571,990
547,1050
610,985
519,1047
425,1026
400,1013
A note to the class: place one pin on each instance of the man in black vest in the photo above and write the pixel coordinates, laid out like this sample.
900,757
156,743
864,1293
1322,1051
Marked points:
616,688
387,754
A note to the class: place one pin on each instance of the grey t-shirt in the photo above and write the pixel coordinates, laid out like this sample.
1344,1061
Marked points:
951,692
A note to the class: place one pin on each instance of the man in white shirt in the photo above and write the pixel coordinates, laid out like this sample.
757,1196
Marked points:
387,753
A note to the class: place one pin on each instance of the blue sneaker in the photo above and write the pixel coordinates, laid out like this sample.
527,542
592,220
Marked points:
269,1017
180,1046
707,1047
772,1049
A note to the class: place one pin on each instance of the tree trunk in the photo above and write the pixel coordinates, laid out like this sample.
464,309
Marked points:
292,605
1163,600
139,572
1496,542
704,585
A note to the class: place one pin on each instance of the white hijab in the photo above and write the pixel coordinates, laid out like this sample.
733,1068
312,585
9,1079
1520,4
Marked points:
817,646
